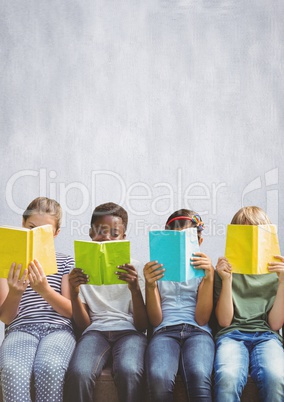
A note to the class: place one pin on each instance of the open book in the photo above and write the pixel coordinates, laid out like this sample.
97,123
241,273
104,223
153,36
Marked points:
249,248
100,259
22,245
173,249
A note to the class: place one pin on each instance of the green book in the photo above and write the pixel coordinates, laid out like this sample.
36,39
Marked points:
100,259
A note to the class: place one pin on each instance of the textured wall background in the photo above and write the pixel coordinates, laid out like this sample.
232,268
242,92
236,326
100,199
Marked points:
157,105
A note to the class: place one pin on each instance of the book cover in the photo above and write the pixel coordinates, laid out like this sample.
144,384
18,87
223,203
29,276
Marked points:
249,248
22,245
173,249
100,259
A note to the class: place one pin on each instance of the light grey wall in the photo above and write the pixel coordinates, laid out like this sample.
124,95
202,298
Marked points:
153,104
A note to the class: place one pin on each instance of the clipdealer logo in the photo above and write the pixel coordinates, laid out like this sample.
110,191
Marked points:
139,198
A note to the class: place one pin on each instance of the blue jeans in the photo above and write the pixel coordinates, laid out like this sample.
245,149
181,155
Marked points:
127,349
38,354
240,353
185,348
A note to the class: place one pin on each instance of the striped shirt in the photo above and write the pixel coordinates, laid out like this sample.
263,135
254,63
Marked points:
34,309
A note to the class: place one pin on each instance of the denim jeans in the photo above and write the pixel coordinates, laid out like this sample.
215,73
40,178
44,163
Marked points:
127,349
240,353
38,354
185,348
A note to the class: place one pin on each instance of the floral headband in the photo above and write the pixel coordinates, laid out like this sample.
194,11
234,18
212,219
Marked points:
194,219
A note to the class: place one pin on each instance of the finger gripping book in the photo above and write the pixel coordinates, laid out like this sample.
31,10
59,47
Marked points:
174,249
22,245
100,259
249,248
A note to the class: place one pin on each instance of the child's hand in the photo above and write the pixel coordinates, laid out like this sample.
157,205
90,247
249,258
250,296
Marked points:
129,275
201,261
77,278
37,278
224,269
278,267
16,283
153,271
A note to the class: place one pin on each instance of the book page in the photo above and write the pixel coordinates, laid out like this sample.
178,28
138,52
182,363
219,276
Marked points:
87,257
42,248
192,246
168,248
14,244
114,253
268,246
241,248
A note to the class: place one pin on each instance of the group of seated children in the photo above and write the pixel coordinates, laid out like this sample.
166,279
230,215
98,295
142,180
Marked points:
41,361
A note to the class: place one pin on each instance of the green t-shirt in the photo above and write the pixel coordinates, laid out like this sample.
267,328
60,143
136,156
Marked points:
253,298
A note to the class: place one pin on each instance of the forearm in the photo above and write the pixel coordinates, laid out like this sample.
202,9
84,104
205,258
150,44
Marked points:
153,305
139,311
204,304
59,303
80,314
225,309
276,315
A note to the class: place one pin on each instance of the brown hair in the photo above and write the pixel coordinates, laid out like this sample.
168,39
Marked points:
250,216
44,205
110,208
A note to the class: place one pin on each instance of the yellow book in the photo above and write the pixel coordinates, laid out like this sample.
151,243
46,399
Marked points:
250,248
22,245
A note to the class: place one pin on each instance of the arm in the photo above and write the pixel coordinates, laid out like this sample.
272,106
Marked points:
130,275
204,304
59,302
153,272
80,310
224,308
276,314
11,291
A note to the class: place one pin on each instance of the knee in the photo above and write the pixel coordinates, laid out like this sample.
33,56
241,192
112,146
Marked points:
226,377
128,372
48,367
78,374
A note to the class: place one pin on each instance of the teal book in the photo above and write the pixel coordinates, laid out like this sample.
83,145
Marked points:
173,249
100,259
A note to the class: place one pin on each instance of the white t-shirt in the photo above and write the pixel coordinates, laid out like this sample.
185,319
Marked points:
110,306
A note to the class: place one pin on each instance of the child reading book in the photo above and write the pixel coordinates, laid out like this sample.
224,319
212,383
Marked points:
112,318
250,311
179,313
37,311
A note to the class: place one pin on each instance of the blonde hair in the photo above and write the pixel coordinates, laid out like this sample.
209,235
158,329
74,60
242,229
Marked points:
250,216
44,205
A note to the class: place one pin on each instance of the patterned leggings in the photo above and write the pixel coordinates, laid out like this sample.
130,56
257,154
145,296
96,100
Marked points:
38,354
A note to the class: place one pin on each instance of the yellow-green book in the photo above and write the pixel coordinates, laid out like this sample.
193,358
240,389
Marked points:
100,259
22,245
249,248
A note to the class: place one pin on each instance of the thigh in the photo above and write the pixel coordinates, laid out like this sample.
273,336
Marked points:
128,351
17,354
18,349
197,354
232,358
90,355
55,350
163,354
